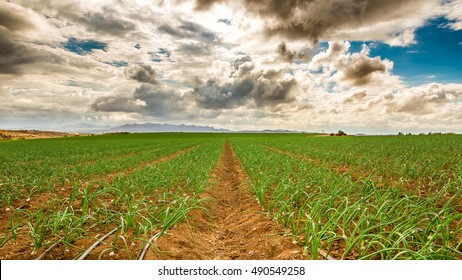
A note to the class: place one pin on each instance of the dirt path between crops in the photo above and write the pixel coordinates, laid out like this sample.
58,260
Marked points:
21,247
236,228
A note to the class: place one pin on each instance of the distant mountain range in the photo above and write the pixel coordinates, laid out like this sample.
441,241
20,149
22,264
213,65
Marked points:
163,127
158,127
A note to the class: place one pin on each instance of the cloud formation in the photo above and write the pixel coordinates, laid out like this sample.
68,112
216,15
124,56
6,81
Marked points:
355,69
105,22
359,72
236,64
316,20
142,73
420,100
453,11
146,100
250,87
12,20
289,56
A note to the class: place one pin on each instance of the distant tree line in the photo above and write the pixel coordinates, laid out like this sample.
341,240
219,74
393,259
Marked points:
430,133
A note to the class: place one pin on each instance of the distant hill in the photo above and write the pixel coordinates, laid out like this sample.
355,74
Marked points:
158,127
85,128
163,127
270,131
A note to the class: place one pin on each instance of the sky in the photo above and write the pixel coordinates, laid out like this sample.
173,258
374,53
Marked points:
361,66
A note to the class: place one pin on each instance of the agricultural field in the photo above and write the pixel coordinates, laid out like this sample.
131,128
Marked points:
231,196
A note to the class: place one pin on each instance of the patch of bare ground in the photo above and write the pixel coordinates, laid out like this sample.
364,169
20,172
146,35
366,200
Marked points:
33,134
235,227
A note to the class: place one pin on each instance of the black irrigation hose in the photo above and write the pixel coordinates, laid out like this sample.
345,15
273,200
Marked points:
146,247
85,254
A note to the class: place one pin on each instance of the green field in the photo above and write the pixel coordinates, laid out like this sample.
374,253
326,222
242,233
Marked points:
374,197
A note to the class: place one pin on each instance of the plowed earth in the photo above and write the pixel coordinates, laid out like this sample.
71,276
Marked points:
234,228
231,226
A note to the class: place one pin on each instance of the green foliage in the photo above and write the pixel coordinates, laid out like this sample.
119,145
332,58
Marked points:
361,197
381,197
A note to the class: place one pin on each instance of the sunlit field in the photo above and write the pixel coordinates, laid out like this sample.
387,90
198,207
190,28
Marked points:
118,196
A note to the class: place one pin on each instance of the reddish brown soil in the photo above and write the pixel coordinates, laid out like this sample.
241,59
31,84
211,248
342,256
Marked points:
235,229
21,247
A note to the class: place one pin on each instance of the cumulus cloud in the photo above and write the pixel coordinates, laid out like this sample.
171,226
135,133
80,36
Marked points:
142,73
249,87
322,19
360,70
289,56
224,64
355,97
355,69
147,99
423,100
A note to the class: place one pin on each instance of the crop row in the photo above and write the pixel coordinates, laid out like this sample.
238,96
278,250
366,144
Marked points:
331,211
148,200
79,162
410,160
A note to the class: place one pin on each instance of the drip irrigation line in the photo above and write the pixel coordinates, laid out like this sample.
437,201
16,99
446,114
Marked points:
46,251
85,254
325,255
146,247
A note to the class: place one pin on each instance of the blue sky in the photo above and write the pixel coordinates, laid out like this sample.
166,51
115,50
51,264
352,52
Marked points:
368,66
435,56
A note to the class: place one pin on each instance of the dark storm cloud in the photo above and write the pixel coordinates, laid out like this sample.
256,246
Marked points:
14,55
260,89
142,73
359,72
312,19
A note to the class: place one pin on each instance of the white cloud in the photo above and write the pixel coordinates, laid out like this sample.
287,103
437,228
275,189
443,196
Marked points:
166,61
453,11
